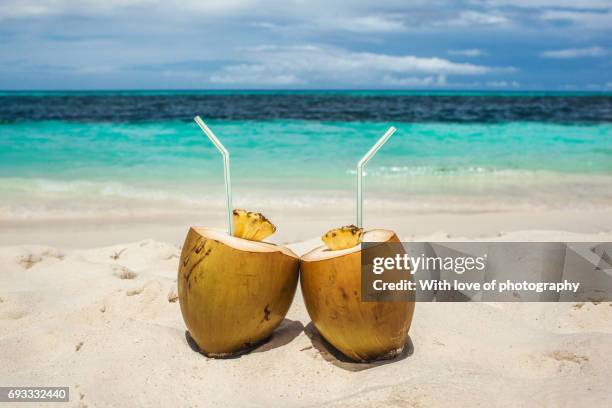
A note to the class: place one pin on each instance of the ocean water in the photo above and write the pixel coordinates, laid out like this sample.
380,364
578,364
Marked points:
92,154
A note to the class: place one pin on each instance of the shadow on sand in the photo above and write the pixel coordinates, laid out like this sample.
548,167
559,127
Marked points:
284,334
333,356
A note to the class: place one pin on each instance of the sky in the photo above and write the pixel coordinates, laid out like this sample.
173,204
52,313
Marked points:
561,45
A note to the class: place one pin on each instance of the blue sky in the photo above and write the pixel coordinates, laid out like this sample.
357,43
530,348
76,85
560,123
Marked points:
191,44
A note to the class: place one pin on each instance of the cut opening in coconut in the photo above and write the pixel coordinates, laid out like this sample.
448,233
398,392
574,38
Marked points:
323,252
241,243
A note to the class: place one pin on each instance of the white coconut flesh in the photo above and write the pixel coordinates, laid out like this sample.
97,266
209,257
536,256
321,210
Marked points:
323,252
241,244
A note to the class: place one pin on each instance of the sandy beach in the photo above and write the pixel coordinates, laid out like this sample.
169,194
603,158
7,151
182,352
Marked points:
105,321
97,193
302,224
145,146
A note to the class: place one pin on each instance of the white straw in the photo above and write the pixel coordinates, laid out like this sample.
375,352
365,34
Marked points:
226,170
360,165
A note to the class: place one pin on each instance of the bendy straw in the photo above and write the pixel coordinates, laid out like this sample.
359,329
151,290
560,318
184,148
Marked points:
360,165
226,170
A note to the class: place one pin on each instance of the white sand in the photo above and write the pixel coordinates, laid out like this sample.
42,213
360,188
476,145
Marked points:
104,322
302,224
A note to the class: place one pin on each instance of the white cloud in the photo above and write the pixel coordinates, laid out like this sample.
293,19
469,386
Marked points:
502,84
382,16
472,18
278,65
38,8
96,69
412,81
566,4
588,19
599,87
370,23
245,74
471,52
149,37
327,14
264,24
41,8
575,53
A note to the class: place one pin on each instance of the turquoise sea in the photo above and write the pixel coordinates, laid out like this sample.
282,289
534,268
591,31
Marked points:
98,154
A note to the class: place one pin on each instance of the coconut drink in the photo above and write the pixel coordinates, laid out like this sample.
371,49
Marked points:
330,279
331,287
234,290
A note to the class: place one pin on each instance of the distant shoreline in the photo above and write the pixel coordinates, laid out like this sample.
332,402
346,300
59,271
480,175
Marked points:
416,92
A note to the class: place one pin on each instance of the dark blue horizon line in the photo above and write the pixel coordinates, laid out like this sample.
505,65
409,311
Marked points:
302,90
438,90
